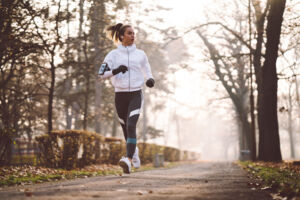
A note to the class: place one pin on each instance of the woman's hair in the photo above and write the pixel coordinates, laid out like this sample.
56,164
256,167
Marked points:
116,31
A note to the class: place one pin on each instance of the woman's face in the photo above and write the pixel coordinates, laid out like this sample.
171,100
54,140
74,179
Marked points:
128,37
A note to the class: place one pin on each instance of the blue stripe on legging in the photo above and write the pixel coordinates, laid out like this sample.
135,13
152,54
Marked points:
131,140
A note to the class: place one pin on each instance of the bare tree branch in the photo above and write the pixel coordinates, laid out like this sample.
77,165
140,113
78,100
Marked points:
233,32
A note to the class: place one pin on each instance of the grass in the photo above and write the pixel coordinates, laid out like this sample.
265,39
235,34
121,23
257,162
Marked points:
12,180
281,178
60,175
31,175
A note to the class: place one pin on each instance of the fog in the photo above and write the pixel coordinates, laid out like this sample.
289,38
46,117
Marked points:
198,114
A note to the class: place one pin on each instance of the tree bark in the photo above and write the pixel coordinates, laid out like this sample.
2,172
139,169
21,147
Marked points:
269,144
52,52
69,80
86,102
51,94
98,7
257,55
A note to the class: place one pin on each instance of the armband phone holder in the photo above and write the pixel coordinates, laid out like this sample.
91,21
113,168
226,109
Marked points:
104,67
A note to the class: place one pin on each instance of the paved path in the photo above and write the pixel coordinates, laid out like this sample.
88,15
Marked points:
201,180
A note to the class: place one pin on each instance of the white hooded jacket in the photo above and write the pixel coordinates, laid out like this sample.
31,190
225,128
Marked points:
138,66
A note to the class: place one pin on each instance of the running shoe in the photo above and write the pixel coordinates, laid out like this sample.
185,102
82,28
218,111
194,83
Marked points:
136,162
125,164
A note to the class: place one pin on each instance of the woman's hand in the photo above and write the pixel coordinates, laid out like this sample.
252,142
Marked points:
150,82
121,68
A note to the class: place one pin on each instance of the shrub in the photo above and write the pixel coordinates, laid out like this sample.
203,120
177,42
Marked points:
171,154
69,148
147,152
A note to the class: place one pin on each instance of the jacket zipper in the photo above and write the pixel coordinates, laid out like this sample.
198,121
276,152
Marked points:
128,67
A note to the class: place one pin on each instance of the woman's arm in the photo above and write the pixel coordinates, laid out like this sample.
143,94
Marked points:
108,62
146,67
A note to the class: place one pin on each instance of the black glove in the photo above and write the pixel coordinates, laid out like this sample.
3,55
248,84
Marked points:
150,82
121,68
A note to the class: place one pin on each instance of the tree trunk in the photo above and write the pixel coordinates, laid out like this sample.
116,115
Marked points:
51,94
251,97
269,144
98,9
259,24
68,81
86,102
79,65
246,142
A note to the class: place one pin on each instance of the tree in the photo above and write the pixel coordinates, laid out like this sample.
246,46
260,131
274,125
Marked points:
269,144
50,38
19,94
232,73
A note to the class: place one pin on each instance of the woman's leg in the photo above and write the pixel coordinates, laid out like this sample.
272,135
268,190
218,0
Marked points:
134,109
121,103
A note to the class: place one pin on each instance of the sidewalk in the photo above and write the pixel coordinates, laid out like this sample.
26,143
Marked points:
201,180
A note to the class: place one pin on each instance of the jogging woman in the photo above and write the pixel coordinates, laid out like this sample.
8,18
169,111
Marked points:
127,66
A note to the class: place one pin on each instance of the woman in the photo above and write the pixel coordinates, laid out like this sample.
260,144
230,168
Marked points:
126,66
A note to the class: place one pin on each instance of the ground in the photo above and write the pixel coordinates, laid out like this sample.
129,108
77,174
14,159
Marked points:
199,180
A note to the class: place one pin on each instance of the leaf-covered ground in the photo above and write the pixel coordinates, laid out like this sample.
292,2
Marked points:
27,174
281,179
15,175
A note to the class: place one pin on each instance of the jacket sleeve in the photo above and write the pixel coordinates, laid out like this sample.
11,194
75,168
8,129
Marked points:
109,60
146,67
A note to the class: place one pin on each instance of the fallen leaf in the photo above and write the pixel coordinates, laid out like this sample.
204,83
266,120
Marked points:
265,188
27,192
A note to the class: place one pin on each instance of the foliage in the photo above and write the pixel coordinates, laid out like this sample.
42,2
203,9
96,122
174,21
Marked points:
69,149
24,159
112,150
171,154
282,178
20,77
147,151
61,149
27,174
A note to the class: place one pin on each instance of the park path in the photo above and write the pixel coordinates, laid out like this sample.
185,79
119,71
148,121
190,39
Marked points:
200,180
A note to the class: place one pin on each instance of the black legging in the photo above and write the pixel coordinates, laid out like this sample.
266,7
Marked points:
128,105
